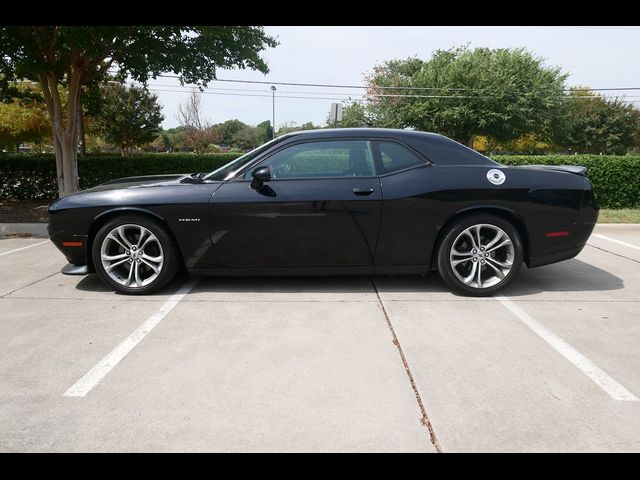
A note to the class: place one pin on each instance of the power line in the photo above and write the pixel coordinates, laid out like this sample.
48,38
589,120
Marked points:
350,96
343,94
600,89
363,95
242,94
328,85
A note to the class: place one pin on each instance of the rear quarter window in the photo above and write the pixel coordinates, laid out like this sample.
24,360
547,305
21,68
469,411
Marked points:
396,157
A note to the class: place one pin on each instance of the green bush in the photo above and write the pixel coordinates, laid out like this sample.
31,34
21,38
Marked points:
615,179
33,176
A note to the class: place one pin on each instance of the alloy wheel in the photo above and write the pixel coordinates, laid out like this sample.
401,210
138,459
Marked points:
482,256
132,255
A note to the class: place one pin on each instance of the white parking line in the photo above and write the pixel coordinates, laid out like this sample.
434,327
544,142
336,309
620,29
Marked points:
604,381
94,376
604,237
23,248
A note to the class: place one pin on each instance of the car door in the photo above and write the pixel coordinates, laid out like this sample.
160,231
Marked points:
321,207
412,205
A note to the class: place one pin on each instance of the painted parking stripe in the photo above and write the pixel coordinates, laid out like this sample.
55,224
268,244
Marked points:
94,376
604,381
604,237
23,248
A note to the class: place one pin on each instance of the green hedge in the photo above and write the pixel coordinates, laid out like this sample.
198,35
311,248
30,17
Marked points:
33,176
616,179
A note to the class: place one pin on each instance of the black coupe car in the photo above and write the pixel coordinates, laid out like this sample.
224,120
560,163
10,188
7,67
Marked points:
334,201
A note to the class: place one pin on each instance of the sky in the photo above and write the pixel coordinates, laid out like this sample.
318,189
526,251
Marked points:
597,57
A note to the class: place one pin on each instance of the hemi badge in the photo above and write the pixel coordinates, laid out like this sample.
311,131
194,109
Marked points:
71,244
557,234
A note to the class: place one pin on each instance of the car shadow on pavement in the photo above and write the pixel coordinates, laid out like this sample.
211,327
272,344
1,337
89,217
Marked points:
92,283
571,275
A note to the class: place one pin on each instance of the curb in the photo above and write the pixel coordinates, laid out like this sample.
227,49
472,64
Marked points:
34,229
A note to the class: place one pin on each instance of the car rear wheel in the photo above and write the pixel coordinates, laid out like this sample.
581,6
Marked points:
480,255
134,255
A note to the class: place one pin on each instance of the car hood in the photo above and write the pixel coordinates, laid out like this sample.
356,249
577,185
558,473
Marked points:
139,182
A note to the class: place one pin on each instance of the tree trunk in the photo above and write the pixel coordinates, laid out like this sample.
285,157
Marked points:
65,137
81,132
17,148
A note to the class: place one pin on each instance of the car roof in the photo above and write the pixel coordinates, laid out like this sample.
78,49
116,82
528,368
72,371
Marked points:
364,132
436,148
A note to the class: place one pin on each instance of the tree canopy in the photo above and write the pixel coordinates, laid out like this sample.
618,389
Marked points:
22,119
593,124
76,56
129,116
354,115
462,93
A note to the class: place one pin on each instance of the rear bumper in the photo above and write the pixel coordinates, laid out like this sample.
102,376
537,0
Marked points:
554,257
561,241
552,249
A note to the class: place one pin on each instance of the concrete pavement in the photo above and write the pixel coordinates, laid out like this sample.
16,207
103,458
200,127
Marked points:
310,364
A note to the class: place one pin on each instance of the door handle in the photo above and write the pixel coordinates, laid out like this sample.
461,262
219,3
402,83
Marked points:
362,191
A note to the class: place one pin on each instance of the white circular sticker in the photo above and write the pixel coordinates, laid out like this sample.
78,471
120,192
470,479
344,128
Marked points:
495,176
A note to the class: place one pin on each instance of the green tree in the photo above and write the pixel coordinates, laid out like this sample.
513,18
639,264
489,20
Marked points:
593,124
229,129
22,120
249,138
500,93
308,126
129,116
354,115
76,56
174,139
268,130
289,127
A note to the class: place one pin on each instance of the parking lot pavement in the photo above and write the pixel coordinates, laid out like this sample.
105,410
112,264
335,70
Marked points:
26,260
310,364
621,239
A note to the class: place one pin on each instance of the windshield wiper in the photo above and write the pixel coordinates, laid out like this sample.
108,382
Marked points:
194,177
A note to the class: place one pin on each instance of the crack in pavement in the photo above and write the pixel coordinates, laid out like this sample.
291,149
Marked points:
29,284
424,420
613,253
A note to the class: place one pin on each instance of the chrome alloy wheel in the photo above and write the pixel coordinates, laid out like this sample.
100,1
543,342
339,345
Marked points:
482,255
132,255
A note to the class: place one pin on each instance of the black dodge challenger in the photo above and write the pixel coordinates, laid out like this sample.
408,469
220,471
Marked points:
335,201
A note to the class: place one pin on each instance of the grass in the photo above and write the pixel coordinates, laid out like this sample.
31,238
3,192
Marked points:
626,215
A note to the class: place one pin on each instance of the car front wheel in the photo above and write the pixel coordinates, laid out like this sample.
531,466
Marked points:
134,254
480,255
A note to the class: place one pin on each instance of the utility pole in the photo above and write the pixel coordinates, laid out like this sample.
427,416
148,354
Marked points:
273,111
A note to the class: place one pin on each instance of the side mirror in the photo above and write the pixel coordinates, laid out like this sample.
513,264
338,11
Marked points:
260,175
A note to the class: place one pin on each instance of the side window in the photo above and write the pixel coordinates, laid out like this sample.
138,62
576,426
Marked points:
344,158
397,157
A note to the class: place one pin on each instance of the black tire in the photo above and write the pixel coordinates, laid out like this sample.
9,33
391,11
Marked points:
451,235
171,257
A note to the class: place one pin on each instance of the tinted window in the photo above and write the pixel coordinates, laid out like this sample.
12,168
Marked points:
396,157
225,171
444,151
346,158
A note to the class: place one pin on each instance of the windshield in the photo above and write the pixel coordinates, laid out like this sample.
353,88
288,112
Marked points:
228,170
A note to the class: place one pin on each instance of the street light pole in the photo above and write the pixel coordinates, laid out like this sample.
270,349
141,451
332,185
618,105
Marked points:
273,111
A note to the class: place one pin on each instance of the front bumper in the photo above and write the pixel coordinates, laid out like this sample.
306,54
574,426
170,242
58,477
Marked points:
73,247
